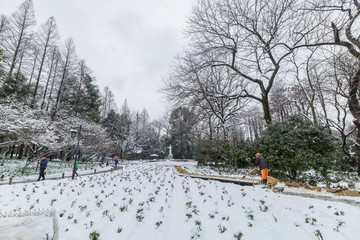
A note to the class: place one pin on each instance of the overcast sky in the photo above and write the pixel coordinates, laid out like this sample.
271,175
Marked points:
128,44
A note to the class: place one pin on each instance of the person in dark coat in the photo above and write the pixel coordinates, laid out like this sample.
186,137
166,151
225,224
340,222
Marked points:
262,164
43,164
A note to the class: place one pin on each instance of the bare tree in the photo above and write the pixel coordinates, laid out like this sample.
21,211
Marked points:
46,39
66,66
19,32
252,38
108,102
4,22
52,67
56,56
207,91
341,22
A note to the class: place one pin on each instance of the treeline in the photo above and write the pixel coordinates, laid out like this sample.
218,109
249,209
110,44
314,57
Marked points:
252,65
43,83
40,71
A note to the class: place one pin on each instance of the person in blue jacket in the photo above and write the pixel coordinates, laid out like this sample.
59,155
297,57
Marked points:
116,162
43,164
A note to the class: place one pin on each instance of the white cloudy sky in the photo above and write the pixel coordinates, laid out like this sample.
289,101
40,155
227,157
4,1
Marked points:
129,44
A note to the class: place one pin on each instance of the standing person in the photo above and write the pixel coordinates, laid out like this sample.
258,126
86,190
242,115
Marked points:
43,164
262,164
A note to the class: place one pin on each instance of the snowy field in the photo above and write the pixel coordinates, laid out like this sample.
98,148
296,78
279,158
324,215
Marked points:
151,201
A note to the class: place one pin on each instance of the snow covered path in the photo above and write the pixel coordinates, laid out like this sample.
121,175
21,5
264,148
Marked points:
150,201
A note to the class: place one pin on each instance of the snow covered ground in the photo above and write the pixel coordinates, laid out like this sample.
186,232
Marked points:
151,201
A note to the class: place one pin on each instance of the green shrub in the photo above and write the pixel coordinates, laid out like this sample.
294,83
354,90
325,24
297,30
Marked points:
221,152
296,145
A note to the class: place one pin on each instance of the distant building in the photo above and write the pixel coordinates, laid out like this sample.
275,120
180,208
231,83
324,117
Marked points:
154,156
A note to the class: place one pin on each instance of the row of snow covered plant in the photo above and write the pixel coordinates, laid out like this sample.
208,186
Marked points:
113,199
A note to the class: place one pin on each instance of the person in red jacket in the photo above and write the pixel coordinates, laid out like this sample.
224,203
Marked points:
262,164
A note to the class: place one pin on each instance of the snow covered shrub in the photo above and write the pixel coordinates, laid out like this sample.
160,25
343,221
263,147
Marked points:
296,145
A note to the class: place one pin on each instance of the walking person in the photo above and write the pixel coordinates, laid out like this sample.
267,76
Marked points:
76,168
43,164
116,162
264,169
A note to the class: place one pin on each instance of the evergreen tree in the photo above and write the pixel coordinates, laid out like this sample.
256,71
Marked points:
181,134
91,100
82,99
14,87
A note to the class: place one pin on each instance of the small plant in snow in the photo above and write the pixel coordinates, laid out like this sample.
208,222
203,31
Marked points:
82,208
340,223
337,213
52,201
158,224
238,236
188,216
230,203
119,230
313,220
211,215
139,217
250,216
94,236
73,202
195,235
123,208
250,224
188,204
264,208
198,224
106,212
222,229
318,235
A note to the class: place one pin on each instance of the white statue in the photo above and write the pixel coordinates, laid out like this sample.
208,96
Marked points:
170,156
170,150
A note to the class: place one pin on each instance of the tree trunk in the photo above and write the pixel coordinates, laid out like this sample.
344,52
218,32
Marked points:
12,151
354,106
266,108
21,150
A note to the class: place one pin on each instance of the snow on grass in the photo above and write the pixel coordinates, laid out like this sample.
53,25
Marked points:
150,201
13,168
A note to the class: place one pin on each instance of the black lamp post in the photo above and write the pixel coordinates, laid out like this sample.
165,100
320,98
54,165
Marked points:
74,132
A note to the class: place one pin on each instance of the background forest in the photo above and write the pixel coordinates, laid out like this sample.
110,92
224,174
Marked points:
276,77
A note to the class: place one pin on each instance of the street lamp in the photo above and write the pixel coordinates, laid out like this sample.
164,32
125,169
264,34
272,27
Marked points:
76,131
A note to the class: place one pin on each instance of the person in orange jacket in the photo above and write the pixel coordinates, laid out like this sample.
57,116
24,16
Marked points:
262,164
